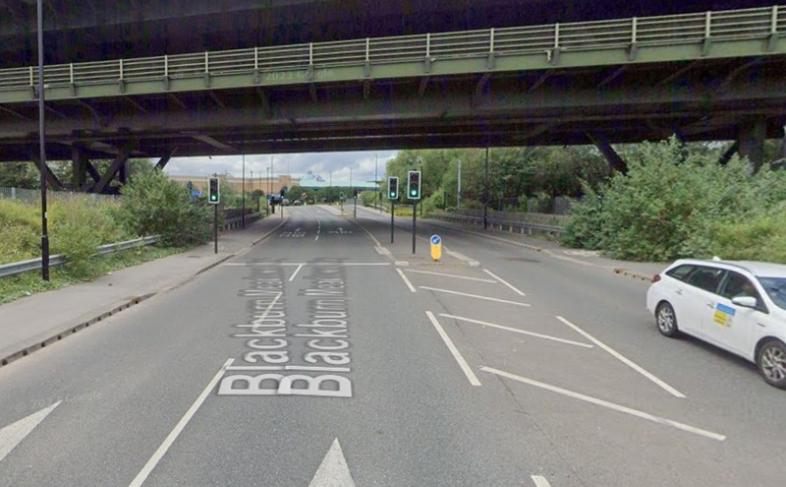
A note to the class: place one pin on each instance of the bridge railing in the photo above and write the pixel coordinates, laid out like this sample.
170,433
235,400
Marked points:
765,24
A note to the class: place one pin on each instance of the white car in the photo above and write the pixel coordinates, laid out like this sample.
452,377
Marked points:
738,306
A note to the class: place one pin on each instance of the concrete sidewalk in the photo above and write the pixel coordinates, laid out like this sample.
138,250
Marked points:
636,270
36,321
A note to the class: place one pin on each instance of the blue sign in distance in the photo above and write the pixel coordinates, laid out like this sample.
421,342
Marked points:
436,240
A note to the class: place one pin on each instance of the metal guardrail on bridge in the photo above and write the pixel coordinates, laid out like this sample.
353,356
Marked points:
299,63
504,224
21,267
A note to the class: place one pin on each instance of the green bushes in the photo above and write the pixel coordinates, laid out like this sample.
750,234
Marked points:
677,203
154,205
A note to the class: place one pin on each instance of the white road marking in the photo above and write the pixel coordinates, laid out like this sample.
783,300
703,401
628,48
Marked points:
406,281
402,263
333,471
297,269
251,264
476,296
469,261
473,379
289,367
506,283
540,481
319,228
607,404
454,276
14,433
674,392
516,330
172,436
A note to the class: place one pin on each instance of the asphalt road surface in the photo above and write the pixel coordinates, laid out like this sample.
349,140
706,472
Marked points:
327,356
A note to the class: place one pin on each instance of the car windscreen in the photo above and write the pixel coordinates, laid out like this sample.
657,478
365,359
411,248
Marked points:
776,289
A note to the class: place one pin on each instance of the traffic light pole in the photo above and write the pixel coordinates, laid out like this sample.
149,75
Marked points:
215,229
392,219
414,223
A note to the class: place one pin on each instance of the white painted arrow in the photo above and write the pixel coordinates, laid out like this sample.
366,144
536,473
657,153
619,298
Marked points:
333,471
14,433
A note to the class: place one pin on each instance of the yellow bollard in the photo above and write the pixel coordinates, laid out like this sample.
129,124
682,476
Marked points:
436,247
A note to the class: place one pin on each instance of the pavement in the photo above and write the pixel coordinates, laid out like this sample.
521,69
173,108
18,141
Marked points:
328,356
25,328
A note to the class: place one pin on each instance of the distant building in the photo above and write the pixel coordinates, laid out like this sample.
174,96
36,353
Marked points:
257,183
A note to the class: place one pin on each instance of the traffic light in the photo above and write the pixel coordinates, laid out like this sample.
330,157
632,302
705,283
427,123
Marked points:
213,194
392,188
413,185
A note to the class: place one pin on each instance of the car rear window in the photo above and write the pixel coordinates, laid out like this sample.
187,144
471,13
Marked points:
680,272
707,278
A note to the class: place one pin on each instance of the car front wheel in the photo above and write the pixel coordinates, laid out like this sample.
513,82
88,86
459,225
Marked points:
771,361
666,320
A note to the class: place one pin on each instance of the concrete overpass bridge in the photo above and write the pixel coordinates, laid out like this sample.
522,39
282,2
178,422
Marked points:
704,76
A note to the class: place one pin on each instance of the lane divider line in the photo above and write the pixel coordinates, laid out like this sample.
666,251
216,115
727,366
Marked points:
297,269
516,330
506,283
473,379
607,404
406,280
476,296
674,392
454,276
540,481
172,436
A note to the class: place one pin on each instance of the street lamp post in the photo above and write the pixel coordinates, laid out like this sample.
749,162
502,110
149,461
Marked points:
42,144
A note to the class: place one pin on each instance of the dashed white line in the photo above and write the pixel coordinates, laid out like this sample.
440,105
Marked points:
516,330
476,296
172,436
674,392
406,281
297,269
473,379
454,276
607,404
506,283
540,481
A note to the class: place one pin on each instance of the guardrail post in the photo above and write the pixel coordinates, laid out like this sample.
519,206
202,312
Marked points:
427,60
367,65
257,77
772,42
311,61
553,54
707,44
490,60
32,81
121,82
633,48
166,72
71,80
207,70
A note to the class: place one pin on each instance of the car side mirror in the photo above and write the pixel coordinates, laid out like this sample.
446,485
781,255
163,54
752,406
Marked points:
745,301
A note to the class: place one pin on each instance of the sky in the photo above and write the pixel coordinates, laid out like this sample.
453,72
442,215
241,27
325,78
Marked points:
309,166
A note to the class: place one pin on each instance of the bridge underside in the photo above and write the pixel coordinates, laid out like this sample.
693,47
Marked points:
707,100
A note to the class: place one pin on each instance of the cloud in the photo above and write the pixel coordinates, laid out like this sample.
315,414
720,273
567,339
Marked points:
299,165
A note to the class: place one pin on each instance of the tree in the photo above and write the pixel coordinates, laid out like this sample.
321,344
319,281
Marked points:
19,175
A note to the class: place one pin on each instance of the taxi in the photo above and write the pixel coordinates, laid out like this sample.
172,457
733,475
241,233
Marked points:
735,305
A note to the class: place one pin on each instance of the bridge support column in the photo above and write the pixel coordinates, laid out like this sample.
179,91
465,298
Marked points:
616,163
750,141
79,168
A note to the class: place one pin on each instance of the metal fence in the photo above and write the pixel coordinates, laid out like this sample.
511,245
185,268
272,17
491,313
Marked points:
765,24
513,222
34,195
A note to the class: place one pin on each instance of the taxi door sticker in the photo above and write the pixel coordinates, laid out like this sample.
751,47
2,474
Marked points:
723,315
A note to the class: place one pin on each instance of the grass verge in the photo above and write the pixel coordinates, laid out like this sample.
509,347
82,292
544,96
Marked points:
12,288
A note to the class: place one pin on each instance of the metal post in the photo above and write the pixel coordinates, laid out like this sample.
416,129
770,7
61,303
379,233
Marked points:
458,184
355,206
392,218
414,223
376,181
215,229
243,197
42,145
486,194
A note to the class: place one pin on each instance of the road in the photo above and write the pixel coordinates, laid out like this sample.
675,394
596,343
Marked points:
327,356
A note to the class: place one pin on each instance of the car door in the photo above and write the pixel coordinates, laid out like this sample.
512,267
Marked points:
699,297
674,292
730,326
